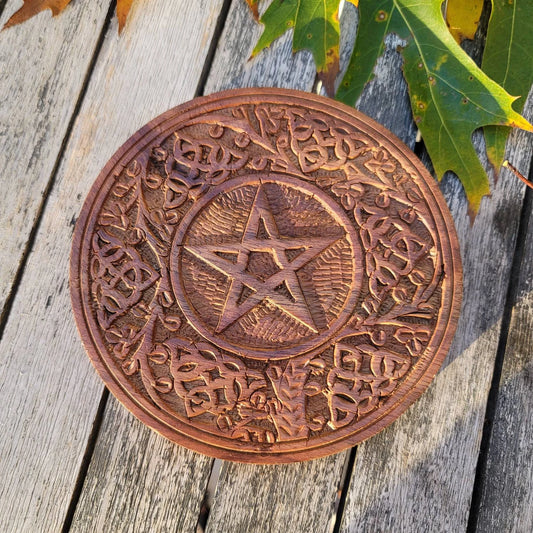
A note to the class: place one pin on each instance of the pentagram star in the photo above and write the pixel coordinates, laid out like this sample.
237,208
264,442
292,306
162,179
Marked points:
289,254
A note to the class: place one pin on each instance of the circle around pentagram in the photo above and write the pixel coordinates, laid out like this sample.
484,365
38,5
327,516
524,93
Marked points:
144,261
251,266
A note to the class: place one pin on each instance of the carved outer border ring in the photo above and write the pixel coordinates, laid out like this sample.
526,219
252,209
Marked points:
189,436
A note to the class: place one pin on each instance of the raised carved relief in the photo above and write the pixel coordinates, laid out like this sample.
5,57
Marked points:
267,274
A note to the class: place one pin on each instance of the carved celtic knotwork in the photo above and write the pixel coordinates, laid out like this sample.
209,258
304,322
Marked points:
360,378
210,381
267,275
120,277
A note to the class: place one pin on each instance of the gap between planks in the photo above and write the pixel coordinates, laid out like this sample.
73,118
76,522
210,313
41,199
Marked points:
510,301
85,462
2,6
219,27
93,437
5,311
343,489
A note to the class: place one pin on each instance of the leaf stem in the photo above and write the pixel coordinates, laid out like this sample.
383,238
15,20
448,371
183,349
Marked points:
516,172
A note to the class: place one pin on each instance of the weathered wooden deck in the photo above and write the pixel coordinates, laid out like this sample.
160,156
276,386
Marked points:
72,459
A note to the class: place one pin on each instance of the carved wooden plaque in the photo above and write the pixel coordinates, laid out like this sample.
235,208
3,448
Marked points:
265,276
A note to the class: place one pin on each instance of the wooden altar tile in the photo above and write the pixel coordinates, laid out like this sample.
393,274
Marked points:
265,275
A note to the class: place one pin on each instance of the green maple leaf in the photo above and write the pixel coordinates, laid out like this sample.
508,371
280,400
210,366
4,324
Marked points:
316,28
508,59
450,96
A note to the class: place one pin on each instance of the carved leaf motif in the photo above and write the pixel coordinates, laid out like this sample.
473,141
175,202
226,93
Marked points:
349,192
198,163
122,339
270,119
414,337
319,145
381,166
115,216
289,411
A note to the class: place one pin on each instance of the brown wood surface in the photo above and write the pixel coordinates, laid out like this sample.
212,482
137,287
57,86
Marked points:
418,475
238,341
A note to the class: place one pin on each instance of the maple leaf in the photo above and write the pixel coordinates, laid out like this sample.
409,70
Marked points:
508,60
254,6
463,18
30,8
316,28
450,96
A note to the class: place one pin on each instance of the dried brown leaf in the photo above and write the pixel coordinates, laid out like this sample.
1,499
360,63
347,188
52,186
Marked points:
254,6
30,8
123,9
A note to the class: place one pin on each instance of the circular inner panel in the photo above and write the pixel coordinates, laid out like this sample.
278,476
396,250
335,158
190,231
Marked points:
265,276
266,267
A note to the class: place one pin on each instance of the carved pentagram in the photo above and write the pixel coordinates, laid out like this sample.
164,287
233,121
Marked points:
267,258
265,276
281,285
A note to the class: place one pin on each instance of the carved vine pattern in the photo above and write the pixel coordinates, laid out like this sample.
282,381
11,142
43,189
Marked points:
266,403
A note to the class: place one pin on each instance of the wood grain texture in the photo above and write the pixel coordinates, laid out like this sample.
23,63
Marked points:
43,65
274,506
418,474
48,389
385,98
275,67
296,497
168,491
508,478
268,507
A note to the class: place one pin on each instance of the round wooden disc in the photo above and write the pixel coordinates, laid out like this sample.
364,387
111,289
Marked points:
265,275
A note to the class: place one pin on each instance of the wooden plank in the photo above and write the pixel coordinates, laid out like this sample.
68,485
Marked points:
43,64
418,474
276,67
169,480
385,99
298,497
507,491
48,390
272,498
248,497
